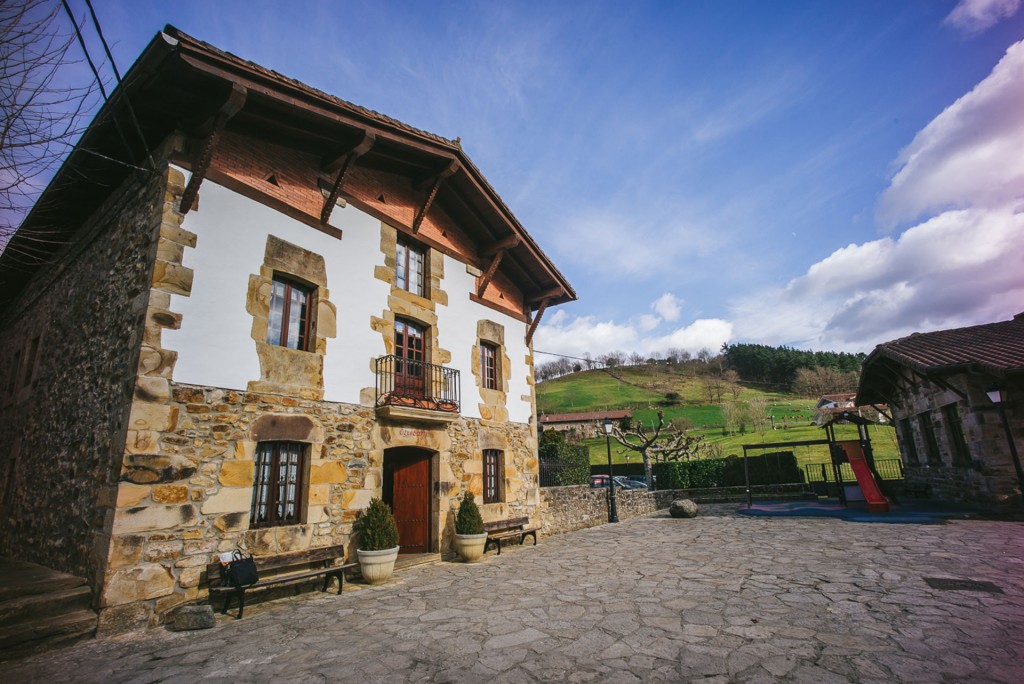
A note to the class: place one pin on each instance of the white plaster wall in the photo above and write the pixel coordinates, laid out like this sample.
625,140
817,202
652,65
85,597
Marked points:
457,329
214,343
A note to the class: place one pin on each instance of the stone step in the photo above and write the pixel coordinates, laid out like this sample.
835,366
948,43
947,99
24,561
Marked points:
24,579
31,607
61,630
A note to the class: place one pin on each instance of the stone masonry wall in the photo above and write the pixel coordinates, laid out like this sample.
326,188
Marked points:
70,345
990,478
188,496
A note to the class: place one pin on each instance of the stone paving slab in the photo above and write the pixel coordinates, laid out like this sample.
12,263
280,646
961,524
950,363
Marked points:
720,598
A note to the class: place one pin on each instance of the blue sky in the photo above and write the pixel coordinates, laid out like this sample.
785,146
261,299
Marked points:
826,175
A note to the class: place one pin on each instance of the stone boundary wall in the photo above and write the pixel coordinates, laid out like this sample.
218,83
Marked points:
576,507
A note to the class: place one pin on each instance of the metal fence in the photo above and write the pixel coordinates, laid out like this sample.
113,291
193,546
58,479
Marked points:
889,469
556,474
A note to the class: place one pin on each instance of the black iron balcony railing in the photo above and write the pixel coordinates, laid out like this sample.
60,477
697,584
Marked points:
401,382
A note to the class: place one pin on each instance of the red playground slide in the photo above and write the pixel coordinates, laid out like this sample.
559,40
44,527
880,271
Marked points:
877,503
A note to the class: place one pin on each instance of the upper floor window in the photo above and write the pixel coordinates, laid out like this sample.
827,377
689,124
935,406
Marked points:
411,267
492,476
489,365
277,487
289,321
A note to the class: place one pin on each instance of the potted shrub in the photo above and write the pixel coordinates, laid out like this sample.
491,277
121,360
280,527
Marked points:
378,542
470,537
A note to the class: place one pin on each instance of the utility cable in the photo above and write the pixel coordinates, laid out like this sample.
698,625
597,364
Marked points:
117,76
95,73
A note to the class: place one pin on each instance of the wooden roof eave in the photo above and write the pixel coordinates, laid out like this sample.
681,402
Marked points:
332,111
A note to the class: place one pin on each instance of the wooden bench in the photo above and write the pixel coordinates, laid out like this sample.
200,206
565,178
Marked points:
498,530
325,556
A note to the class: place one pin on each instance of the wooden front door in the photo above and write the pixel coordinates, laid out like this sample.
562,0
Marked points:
407,480
409,369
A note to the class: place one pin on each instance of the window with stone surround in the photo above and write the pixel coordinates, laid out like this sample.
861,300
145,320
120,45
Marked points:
931,444
411,266
490,370
277,486
907,433
493,479
289,322
955,430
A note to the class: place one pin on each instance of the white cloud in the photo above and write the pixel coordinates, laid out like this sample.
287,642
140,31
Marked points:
585,334
960,268
970,155
975,16
668,306
962,265
647,322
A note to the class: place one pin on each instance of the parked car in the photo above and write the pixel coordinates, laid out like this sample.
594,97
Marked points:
598,481
629,483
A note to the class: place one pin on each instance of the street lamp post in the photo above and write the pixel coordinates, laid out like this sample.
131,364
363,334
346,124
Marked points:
998,396
613,515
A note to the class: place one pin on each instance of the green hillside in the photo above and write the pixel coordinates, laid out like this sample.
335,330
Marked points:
643,390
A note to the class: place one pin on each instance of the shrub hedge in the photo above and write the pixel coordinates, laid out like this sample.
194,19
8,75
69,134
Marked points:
773,468
564,464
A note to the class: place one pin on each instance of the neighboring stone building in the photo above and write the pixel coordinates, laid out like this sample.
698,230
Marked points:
952,436
830,405
254,311
844,400
584,425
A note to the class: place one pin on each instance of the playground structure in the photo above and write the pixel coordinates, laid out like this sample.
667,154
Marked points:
856,452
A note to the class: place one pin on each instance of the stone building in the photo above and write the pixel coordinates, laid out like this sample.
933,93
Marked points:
257,306
584,425
953,438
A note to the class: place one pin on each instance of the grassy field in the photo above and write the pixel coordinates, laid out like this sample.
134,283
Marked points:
642,390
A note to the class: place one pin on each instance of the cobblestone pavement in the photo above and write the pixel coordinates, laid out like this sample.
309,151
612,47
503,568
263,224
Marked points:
718,598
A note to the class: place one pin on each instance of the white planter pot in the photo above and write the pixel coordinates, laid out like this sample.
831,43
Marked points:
377,566
470,546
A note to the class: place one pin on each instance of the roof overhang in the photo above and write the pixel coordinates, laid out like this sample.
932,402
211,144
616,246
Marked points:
180,83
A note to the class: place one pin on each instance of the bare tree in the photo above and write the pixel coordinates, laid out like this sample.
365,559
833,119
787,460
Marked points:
41,115
759,414
730,415
732,381
663,444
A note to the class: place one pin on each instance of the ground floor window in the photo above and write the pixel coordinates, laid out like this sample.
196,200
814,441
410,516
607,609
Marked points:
276,494
957,442
492,476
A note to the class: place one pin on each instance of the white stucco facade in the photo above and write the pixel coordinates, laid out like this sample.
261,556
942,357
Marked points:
215,345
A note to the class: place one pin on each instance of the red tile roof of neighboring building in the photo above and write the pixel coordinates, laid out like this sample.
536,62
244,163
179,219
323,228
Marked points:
581,417
997,348
993,349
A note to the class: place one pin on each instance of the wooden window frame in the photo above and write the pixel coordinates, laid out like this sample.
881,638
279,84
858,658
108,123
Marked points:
493,476
957,442
403,263
267,478
908,442
490,365
931,442
305,338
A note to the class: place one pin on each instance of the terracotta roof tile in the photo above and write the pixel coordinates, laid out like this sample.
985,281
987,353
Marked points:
994,347
578,417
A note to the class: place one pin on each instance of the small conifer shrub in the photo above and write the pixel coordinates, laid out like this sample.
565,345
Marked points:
469,520
377,528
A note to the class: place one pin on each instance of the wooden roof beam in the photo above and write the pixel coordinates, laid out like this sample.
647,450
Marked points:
500,246
435,184
232,105
536,321
346,160
544,296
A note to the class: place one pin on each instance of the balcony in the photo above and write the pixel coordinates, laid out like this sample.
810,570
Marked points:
414,390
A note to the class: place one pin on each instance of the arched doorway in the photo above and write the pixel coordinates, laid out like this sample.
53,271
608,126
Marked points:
407,488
